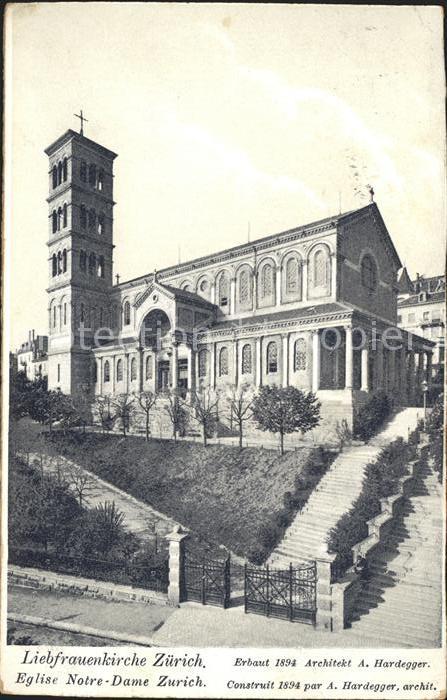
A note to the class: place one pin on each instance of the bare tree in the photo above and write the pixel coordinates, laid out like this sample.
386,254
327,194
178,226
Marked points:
102,406
205,405
239,401
124,409
79,481
147,401
177,413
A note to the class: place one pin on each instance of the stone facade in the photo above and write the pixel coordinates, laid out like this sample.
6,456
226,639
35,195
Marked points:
32,357
313,307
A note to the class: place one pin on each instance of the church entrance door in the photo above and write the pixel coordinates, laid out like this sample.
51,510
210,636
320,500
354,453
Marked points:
163,375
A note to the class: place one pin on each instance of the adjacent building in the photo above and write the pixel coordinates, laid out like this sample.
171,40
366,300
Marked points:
32,356
313,307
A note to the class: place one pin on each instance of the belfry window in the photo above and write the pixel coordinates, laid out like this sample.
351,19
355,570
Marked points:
92,175
246,360
100,180
92,218
64,216
126,313
59,219
272,358
83,216
54,265
83,171
223,362
65,314
54,172
59,263
101,266
101,224
106,371
83,260
59,173
54,221
64,260
92,263
64,170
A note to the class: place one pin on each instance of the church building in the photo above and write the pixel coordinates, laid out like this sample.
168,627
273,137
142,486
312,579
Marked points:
313,307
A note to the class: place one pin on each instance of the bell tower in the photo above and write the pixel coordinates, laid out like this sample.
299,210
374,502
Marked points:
80,256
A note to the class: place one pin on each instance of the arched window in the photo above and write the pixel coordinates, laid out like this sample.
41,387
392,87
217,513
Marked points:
92,263
113,316
65,314
83,216
149,367
133,369
267,284
246,360
54,316
59,263
272,358
54,265
369,273
300,356
100,180
101,266
64,169
83,260
223,362
54,221
101,228
293,277
64,216
92,175
59,219
59,173
126,313
244,288
54,177
119,371
92,218
203,363
64,260
83,171
106,371
320,269
224,290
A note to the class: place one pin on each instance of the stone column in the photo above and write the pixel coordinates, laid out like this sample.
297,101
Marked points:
304,280
429,367
316,360
258,361
365,362
174,360
112,373
127,372
379,365
177,540
278,286
213,366
191,370
333,271
411,378
100,376
254,290
141,369
285,359
232,300
403,376
349,358
235,362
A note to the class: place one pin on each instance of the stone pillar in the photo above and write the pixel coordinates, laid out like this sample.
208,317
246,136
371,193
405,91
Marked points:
141,369
100,376
191,370
177,540
235,362
349,358
411,378
213,293
316,360
112,373
127,372
429,367
403,377
285,359
174,360
258,361
379,365
213,366
333,271
365,362
304,281
324,603
278,286
232,300
254,290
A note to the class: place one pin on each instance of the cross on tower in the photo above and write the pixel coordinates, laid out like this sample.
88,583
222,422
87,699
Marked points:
83,119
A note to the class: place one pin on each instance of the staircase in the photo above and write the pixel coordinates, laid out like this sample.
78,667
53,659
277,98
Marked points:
307,536
401,604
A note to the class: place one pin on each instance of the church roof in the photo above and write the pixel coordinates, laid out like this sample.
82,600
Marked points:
189,297
265,242
308,312
74,135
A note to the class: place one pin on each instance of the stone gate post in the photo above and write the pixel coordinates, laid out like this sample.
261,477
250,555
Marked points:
177,540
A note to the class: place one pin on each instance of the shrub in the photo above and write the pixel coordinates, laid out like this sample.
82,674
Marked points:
435,430
371,416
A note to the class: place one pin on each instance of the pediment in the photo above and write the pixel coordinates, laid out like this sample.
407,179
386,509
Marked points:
153,288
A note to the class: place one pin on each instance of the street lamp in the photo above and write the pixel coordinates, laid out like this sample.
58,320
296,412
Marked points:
424,386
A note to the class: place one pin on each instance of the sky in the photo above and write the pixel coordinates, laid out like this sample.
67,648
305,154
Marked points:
227,119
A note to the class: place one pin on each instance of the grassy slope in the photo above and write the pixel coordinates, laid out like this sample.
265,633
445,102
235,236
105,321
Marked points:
221,493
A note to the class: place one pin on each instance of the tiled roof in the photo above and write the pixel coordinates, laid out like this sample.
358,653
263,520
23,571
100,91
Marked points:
413,300
184,295
292,314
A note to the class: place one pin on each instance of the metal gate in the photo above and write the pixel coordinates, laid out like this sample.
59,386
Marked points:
207,582
285,593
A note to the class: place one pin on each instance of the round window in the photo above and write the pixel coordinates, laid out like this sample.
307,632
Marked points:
155,297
